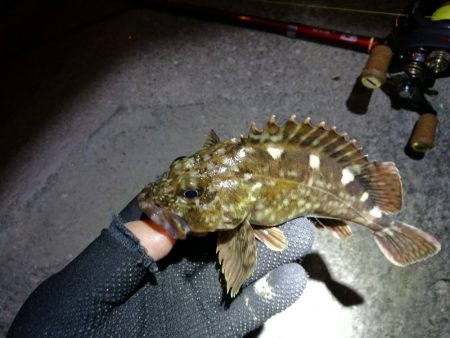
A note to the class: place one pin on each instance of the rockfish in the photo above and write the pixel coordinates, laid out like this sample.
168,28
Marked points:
244,188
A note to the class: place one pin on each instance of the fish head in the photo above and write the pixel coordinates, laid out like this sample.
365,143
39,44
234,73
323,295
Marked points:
198,194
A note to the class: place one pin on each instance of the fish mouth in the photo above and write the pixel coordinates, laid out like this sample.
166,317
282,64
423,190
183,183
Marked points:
171,222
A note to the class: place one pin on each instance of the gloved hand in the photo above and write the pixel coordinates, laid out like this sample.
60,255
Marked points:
189,293
109,290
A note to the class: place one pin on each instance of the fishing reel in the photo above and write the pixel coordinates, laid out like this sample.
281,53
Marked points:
406,64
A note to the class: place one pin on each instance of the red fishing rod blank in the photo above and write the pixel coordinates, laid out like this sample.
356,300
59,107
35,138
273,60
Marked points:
294,30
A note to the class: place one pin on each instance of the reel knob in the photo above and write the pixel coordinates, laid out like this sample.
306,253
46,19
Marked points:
424,133
374,72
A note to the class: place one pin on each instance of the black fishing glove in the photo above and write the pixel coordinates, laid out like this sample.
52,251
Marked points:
114,289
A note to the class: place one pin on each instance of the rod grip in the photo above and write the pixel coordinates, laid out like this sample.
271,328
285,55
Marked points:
424,133
374,72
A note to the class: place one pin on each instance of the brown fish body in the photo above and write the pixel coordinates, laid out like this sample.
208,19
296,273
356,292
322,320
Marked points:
285,181
290,188
243,189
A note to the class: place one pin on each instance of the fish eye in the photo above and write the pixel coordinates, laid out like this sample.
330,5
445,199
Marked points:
192,193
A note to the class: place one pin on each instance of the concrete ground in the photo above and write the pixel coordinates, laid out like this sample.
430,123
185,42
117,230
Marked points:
97,99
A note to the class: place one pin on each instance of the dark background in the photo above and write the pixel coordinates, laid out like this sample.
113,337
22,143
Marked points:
98,97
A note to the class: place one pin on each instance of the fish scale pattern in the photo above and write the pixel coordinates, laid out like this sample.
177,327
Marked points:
110,290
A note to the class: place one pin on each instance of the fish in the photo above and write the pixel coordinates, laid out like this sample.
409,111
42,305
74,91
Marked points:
244,188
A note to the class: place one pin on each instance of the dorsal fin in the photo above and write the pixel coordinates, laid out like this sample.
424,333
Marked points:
382,180
211,139
317,138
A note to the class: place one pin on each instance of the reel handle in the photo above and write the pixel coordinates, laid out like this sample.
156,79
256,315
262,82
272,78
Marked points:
424,133
374,72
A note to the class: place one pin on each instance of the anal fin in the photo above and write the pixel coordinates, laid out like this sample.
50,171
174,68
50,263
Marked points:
338,228
273,238
237,255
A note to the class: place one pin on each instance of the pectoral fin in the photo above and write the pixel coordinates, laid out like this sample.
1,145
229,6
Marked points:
338,228
237,255
273,238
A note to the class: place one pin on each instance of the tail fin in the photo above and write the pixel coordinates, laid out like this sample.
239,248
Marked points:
403,244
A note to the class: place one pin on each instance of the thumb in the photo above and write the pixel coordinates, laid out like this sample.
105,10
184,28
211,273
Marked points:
154,239
266,297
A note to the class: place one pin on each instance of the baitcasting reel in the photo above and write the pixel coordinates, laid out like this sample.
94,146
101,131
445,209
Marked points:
407,63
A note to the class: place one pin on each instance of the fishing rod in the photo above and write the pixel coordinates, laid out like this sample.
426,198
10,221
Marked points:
335,38
405,64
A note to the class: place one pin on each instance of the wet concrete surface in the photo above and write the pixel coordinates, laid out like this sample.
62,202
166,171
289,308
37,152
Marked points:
98,99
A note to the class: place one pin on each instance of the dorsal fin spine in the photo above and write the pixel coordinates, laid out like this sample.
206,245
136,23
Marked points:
342,146
345,150
348,153
305,137
357,160
317,139
294,132
323,146
211,139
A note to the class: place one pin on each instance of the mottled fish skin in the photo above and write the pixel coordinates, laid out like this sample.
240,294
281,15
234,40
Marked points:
224,199
274,175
